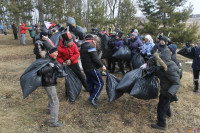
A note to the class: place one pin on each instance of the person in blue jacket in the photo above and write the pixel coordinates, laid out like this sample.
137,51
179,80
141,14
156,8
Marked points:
32,32
195,65
117,45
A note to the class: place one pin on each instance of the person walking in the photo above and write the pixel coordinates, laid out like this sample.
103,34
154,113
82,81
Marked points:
90,63
196,66
14,27
23,33
68,54
32,32
49,83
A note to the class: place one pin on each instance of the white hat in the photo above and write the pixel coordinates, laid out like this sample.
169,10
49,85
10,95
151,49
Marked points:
135,30
148,37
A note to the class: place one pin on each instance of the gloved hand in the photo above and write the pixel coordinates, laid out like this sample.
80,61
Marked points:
56,67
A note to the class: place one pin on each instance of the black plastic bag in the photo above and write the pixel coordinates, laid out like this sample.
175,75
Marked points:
107,50
146,88
186,52
124,53
129,79
29,80
55,38
71,21
72,84
137,60
80,32
111,84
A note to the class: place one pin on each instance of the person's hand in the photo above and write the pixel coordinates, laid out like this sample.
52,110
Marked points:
104,68
44,37
68,62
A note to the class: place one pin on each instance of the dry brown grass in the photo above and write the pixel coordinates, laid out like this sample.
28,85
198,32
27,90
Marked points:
125,115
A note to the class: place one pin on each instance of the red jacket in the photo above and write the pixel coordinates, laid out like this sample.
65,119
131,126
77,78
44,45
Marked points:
23,29
65,53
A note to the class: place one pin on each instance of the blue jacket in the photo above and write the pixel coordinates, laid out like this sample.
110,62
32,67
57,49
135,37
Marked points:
1,27
118,44
32,31
196,59
135,44
147,48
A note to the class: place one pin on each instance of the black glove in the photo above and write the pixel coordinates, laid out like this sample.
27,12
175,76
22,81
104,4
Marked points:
162,68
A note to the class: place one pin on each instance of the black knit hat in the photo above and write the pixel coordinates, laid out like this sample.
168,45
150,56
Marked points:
164,38
119,34
52,50
89,37
43,33
67,37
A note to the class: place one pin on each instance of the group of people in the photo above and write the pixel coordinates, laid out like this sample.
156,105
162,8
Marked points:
168,69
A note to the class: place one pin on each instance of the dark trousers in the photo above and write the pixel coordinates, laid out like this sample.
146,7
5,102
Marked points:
196,79
33,40
109,60
121,66
95,83
76,69
129,65
15,37
163,107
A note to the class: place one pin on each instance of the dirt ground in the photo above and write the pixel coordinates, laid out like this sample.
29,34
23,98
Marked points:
125,115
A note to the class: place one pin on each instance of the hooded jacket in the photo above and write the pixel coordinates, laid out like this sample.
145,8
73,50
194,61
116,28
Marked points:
23,29
66,53
169,80
196,59
135,44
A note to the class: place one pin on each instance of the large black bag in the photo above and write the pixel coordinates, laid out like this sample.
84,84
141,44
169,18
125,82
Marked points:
72,84
146,88
186,52
111,84
124,53
29,80
55,38
137,60
107,50
80,32
71,21
129,79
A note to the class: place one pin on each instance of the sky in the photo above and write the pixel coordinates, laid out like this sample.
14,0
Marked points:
195,3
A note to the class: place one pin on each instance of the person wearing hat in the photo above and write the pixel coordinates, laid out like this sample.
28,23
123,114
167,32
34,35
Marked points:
49,83
162,45
146,50
195,66
136,31
117,45
168,74
91,62
68,54
23,32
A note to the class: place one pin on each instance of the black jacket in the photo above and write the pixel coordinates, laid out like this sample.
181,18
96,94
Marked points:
158,47
89,57
48,72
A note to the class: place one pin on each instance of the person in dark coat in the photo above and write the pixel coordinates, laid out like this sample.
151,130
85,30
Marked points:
135,43
196,66
49,83
162,45
173,48
168,74
91,63
14,27
117,45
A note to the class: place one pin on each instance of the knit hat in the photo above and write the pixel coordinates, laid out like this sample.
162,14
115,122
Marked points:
89,37
43,33
172,48
52,50
164,38
67,37
119,34
134,34
135,30
148,37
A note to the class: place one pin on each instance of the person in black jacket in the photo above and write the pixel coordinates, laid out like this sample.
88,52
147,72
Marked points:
169,83
162,45
48,74
91,63
14,27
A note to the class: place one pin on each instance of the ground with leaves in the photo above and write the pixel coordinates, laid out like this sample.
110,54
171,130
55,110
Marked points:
125,115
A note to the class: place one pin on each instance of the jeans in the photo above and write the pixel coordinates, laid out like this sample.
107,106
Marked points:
23,39
53,103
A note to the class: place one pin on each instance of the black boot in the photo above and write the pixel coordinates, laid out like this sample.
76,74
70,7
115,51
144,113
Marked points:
169,113
196,86
156,126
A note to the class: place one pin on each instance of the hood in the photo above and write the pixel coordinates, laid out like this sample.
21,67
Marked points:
165,56
23,24
61,44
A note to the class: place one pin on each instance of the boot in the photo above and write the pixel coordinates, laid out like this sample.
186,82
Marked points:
156,126
196,86
56,124
169,113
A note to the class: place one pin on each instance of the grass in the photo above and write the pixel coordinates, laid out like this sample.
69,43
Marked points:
125,115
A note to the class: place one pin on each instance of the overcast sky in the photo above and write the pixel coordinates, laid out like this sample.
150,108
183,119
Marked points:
196,6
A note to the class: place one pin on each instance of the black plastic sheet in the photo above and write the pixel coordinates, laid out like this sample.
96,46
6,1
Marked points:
124,53
186,52
55,38
107,50
137,60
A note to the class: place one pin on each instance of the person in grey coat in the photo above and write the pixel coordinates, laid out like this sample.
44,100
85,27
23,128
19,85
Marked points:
168,73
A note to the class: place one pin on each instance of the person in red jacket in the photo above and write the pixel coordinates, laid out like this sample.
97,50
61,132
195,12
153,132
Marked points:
23,32
68,54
